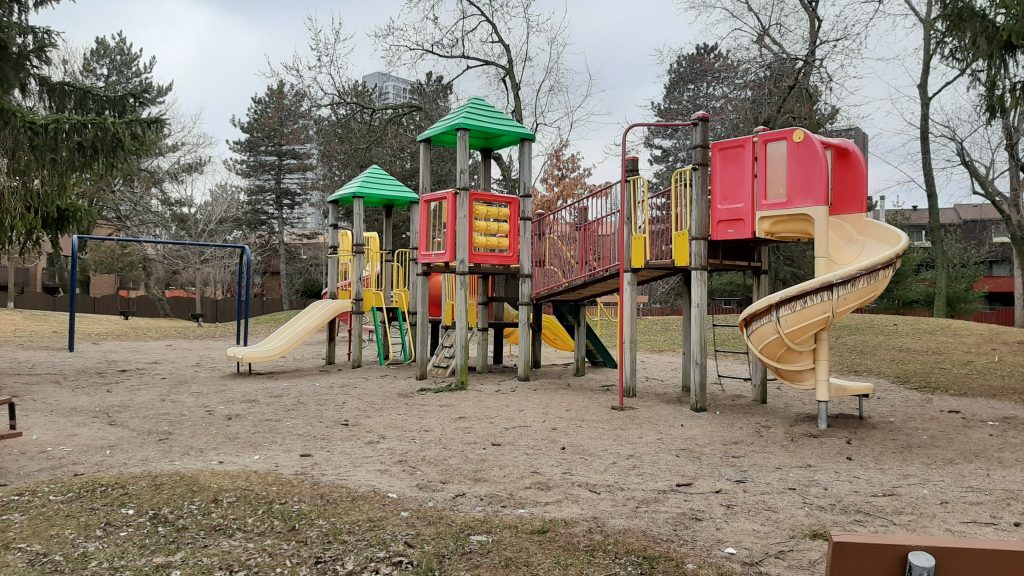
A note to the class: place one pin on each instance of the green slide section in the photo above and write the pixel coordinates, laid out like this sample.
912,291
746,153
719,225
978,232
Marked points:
597,352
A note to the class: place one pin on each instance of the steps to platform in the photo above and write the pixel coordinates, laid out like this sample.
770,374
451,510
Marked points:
442,363
391,332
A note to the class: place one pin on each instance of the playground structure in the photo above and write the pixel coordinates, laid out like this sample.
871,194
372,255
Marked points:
504,264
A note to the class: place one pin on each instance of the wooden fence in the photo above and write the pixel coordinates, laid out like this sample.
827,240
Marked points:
214,310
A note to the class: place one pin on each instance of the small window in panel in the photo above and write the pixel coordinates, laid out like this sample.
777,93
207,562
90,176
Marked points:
775,170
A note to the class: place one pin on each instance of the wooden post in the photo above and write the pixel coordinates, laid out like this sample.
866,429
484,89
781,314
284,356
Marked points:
627,300
758,371
332,279
525,257
536,334
421,295
579,354
700,224
483,283
684,295
358,266
387,243
462,240
412,274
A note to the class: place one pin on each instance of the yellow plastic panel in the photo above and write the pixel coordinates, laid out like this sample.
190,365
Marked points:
638,251
681,248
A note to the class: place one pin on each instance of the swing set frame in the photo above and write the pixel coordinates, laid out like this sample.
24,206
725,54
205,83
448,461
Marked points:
244,278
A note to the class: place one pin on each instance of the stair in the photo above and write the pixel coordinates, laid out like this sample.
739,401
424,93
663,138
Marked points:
597,353
442,364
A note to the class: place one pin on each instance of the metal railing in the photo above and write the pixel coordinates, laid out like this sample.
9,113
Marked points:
577,242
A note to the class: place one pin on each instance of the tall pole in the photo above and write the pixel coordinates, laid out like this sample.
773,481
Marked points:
525,257
73,298
462,239
627,296
684,296
358,267
623,205
758,371
483,282
420,311
332,279
700,224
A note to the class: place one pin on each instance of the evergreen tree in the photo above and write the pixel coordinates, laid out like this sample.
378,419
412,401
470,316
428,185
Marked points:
55,133
275,156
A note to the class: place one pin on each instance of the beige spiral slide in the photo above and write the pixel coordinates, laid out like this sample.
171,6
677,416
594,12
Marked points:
293,333
855,257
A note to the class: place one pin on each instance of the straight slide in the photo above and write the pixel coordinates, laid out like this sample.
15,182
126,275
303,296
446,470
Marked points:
788,330
294,332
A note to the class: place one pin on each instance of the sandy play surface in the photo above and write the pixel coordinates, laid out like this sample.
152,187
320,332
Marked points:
759,479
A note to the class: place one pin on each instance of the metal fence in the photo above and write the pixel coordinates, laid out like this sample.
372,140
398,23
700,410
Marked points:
214,309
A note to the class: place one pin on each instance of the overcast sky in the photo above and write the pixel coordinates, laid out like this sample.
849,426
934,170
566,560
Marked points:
215,51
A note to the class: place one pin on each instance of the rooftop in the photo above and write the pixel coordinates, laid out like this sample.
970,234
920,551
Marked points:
489,128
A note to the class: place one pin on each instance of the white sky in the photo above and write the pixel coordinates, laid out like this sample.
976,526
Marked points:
214,52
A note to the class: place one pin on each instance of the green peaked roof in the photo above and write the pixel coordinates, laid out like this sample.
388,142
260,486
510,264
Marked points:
489,128
377,188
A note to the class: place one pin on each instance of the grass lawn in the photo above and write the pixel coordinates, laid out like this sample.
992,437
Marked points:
246,523
946,356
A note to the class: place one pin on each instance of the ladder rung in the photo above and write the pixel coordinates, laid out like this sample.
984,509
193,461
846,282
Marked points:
742,378
743,352
717,325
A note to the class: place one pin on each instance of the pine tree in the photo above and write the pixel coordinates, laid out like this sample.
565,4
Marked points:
55,133
275,157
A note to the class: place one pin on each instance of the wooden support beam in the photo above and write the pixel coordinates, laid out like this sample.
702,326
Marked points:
525,257
420,310
358,265
483,305
536,334
758,371
579,337
387,245
462,239
684,296
332,279
628,300
700,225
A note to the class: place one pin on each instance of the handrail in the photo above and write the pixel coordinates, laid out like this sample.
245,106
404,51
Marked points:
682,189
640,194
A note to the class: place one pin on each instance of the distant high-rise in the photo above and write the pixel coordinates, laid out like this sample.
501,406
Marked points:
390,89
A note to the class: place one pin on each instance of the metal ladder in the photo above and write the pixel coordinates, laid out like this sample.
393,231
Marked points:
391,329
715,326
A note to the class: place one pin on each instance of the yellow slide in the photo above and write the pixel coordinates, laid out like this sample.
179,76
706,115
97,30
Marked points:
294,332
553,333
855,257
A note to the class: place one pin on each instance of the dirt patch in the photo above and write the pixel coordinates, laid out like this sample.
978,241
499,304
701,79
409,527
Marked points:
758,479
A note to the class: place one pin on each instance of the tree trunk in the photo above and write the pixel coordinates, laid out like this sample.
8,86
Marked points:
935,232
1018,286
282,267
10,279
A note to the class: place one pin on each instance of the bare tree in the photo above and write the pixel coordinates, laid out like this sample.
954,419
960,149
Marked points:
518,52
803,46
990,153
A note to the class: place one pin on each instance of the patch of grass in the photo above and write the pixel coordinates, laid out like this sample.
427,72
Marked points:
816,534
229,523
450,387
47,328
934,355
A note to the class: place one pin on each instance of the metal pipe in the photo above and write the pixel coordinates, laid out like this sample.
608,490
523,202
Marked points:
74,293
622,206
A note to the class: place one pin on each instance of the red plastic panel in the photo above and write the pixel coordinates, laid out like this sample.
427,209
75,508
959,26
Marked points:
437,227
792,170
494,239
849,176
732,189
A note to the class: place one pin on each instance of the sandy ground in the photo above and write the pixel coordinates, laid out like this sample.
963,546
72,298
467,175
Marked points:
755,478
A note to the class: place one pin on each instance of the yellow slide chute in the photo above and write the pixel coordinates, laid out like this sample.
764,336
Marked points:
553,333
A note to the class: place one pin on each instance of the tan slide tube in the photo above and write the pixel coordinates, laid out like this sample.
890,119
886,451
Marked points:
293,333
855,257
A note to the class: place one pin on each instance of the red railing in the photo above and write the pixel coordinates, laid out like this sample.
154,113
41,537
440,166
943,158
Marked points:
577,242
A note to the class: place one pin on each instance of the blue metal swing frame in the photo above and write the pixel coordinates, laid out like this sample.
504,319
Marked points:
244,265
